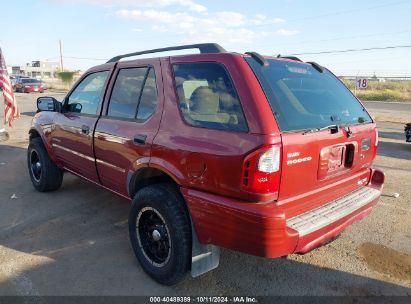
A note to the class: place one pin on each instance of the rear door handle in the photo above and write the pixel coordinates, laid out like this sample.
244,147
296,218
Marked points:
140,139
85,129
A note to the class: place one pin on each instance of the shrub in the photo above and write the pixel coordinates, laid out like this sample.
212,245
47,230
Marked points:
383,95
66,77
382,91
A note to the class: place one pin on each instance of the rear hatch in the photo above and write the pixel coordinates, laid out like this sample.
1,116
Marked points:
328,138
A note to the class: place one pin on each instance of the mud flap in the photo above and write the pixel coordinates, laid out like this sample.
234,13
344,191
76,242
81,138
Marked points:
203,257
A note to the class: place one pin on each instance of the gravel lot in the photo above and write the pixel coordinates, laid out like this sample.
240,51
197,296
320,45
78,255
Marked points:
75,241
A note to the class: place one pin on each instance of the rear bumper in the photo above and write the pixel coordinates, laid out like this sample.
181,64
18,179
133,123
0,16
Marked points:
321,224
263,229
31,90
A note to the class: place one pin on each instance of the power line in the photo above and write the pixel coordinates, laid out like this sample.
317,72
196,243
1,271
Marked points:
381,60
353,50
85,58
335,39
336,13
341,38
297,54
347,11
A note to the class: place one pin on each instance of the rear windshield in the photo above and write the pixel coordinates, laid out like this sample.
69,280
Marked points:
303,98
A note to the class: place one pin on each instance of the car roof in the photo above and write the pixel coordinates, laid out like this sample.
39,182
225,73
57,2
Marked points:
207,50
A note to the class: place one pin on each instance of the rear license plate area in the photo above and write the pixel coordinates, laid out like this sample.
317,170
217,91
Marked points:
334,159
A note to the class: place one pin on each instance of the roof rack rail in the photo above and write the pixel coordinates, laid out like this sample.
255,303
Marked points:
258,57
290,57
203,47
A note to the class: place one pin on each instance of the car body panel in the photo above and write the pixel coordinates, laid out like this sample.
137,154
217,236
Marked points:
322,174
207,163
74,148
261,229
212,165
114,147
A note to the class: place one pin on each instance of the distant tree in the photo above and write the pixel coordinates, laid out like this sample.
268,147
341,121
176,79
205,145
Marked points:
66,76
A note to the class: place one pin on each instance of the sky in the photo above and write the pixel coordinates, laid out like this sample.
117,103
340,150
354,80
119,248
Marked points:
93,31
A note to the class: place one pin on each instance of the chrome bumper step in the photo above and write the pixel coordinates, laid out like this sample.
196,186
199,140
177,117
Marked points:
322,216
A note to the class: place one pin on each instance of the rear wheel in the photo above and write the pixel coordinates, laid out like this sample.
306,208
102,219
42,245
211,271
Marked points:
44,174
160,233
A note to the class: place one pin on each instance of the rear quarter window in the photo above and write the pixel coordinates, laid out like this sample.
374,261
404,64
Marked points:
207,96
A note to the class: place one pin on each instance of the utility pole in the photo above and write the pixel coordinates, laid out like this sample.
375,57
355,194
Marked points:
61,57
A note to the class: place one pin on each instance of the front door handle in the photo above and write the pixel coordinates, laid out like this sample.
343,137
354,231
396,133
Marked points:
140,139
85,129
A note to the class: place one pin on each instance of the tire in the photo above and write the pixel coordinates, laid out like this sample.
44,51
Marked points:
44,174
159,212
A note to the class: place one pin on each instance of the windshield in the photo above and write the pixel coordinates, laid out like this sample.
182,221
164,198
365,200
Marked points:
303,98
28,80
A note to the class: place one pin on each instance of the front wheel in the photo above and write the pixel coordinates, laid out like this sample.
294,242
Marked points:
160,233
44,174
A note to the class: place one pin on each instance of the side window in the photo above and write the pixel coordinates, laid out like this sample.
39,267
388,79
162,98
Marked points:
134,94
148,101
126,92
86,96
207,96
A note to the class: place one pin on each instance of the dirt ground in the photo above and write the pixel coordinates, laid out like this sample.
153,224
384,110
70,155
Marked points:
75,241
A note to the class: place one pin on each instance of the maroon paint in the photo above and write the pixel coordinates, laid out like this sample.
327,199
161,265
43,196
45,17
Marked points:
207,163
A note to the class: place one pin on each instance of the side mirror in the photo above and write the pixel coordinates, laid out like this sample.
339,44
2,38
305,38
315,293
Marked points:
48,104
75,107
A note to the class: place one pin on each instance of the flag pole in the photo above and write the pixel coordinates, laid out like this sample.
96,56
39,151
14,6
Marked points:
9,104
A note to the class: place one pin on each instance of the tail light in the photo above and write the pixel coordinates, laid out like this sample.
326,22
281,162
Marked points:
261,170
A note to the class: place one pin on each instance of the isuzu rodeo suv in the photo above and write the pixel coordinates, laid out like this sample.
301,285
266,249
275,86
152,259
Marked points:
265,155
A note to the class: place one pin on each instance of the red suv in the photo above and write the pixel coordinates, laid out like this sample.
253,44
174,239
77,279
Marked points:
264,155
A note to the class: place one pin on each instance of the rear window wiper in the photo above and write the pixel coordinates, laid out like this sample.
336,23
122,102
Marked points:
333,128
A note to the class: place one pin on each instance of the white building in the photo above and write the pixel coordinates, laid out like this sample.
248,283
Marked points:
37,69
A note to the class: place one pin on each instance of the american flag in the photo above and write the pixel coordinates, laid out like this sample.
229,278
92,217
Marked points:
10,105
